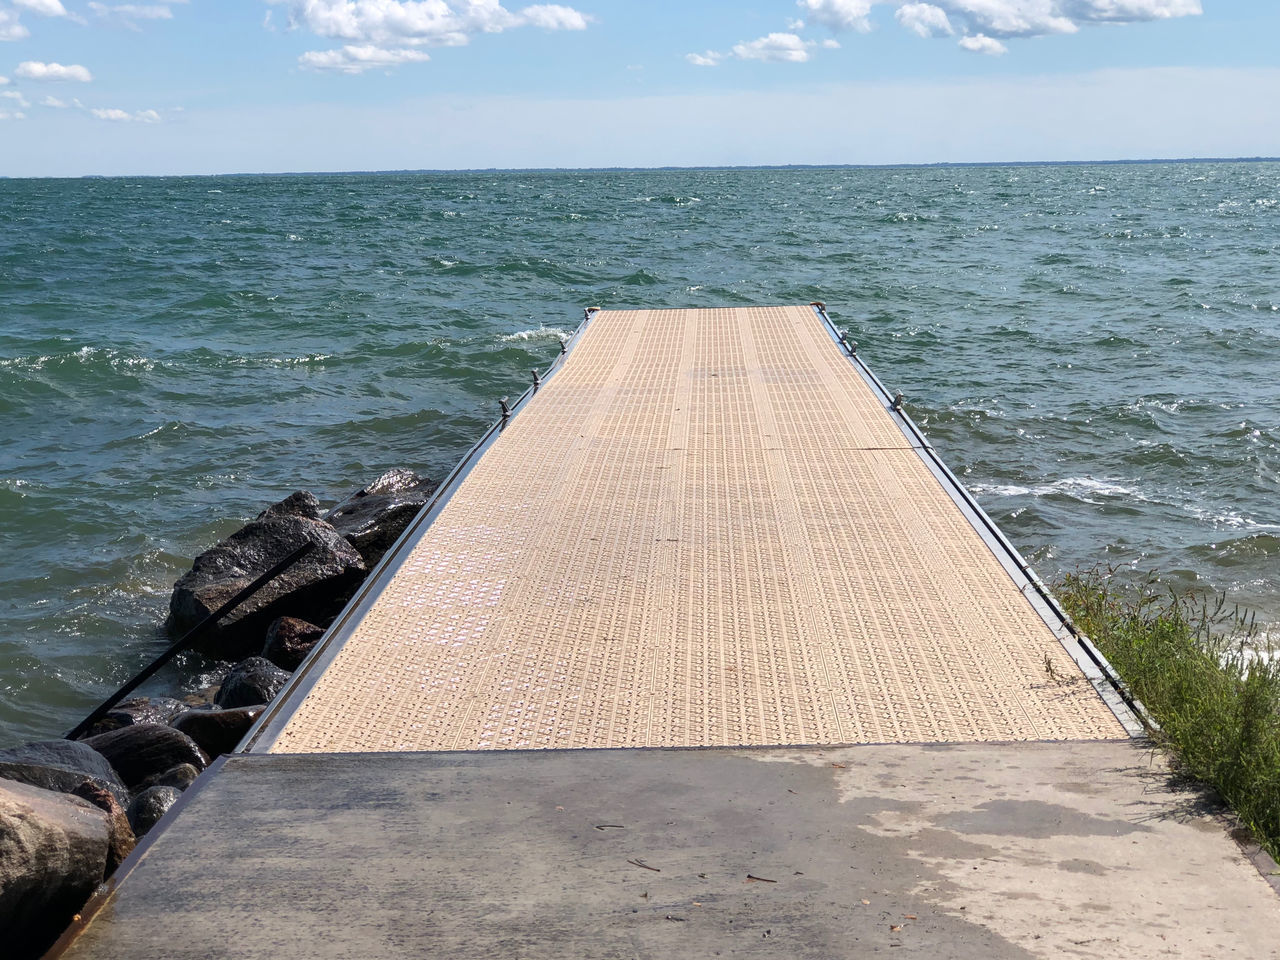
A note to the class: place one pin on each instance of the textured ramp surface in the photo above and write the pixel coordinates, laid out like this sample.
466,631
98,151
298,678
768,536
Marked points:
705,529
1022,851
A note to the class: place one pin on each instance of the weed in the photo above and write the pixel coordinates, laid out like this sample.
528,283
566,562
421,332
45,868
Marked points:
1194,666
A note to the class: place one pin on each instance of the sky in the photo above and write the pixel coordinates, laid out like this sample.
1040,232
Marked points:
245,86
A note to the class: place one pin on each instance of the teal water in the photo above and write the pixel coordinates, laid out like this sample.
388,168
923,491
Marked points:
1095,350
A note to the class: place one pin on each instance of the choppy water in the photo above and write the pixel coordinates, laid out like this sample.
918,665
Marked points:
1094,349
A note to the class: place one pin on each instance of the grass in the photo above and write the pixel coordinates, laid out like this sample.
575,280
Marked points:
1193,666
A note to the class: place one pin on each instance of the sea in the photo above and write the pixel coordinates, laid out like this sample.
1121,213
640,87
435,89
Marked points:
1093,349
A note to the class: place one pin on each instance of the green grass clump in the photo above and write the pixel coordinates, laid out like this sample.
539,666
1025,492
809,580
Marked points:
1214,694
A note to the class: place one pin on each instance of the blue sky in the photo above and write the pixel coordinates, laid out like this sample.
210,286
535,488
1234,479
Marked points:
219,86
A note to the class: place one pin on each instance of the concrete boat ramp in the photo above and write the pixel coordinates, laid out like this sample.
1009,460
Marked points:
701,652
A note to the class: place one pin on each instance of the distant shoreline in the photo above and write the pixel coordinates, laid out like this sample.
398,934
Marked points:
939,165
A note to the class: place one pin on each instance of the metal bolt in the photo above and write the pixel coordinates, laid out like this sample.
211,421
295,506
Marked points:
897,401
506,411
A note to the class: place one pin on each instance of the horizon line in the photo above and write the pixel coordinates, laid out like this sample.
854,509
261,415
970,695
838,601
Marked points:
937,164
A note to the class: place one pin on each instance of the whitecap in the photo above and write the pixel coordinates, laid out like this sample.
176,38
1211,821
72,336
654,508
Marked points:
541,332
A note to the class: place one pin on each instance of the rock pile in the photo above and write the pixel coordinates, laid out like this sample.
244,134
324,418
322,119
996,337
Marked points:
70,811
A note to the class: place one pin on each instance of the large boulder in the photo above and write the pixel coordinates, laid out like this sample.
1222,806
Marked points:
315,587
373,518
219,731
179,777
53,853
61,766
250,683
121,839
149,806
145,750
289,640
126,713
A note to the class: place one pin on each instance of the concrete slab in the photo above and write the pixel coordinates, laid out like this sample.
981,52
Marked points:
1048,850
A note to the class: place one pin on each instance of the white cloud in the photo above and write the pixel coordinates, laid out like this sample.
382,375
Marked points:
386,33
124,116
774,48
46,8
554,17
34,70
133,11
422,22
54,102
924,19
10,28
708,59
3,81
980,43
359,58
1130,11
14,115
18,100
839,15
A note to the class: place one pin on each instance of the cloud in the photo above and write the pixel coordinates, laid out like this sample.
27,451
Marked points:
924,19
985,23
980,43
774,48
554,17
10,28
34,70
1130,11
57,103
130,12
388,33
3,81
708,59
388,23
16,99
359,58
46,8
124,116
838,15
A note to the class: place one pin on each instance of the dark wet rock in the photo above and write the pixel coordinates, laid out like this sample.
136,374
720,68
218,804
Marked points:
149,806
142,751
179,777
53,853
373,518
138,710
61,766
289,640
218,731
251,683
303,503
315,587
121,840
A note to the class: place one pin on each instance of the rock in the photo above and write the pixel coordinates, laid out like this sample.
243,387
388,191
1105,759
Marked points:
144,750
121,840
61,766
373,518
315,587
179,777
218,731
138,710
53,853
149,806
300,504
289,640
251,683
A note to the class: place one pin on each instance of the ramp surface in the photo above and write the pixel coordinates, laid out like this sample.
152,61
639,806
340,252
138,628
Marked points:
705,529
983,851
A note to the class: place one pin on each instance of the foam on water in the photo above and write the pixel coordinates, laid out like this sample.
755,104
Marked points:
1093,349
